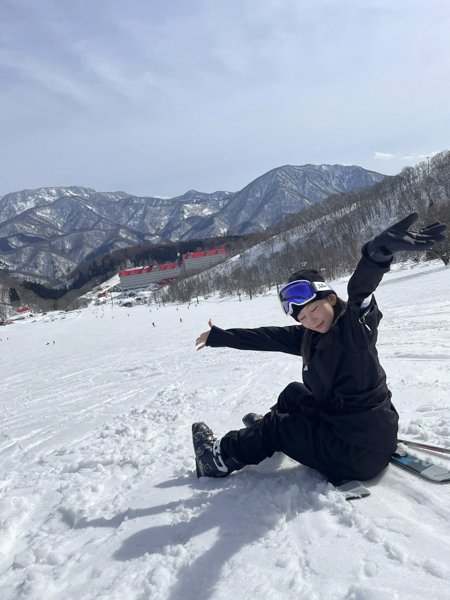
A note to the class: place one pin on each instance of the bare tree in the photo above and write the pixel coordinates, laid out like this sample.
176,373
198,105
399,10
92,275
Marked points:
440,212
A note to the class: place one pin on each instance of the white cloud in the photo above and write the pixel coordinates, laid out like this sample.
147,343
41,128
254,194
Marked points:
384,156
419,157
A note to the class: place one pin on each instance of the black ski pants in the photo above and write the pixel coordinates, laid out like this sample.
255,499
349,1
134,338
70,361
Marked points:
293,427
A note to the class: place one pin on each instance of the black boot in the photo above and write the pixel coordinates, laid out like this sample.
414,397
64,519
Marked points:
251,419
208,457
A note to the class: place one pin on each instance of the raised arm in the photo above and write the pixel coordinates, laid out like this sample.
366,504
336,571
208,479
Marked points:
378,254
365,280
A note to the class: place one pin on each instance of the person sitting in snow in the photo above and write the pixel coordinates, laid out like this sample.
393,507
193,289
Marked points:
340,420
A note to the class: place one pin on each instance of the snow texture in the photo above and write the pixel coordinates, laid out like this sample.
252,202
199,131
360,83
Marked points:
99,498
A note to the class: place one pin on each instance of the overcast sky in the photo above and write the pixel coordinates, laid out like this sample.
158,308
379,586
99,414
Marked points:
157,97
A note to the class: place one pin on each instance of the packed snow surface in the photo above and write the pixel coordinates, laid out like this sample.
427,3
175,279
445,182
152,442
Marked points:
99,498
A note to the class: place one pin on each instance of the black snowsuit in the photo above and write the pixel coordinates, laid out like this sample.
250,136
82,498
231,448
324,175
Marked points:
340,421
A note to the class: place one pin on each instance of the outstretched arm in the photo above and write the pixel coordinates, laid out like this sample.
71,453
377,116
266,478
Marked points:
266,339
202,338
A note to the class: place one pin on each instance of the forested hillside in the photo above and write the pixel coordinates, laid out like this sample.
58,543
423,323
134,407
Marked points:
16,293
329,236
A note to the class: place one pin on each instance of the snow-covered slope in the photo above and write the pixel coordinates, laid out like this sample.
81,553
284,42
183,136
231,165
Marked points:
99,499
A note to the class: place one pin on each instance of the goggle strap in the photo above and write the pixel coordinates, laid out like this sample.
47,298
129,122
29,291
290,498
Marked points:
320,286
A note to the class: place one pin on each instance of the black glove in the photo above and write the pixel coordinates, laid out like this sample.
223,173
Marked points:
398,239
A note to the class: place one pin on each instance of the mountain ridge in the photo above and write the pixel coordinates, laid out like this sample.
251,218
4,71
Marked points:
71,223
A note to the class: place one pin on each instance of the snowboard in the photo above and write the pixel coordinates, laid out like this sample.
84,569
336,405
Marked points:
418,466
352,490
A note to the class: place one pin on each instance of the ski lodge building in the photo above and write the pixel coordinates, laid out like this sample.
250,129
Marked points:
142,277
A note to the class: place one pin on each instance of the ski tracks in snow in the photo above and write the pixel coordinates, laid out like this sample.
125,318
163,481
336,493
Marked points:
99,498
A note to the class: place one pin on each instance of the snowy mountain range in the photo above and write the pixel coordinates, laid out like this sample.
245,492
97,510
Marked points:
45,233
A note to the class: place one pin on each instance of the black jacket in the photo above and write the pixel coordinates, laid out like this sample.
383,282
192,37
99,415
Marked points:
345,378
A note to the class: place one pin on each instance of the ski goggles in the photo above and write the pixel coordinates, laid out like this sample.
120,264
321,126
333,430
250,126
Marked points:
298,293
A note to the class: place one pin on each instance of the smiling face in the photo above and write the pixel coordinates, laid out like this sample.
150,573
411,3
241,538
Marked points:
318,315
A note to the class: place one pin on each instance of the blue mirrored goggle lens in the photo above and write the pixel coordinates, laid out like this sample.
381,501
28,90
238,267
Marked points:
295,293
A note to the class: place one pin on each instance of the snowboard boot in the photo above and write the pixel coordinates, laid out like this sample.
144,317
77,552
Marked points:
251,419
208,457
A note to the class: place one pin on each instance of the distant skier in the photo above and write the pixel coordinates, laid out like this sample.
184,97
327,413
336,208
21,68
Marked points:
340,420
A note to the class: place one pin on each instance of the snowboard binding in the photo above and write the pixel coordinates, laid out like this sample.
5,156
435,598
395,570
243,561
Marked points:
208,457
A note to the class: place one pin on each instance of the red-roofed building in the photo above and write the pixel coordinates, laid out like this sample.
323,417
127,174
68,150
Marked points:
142,277
198,261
